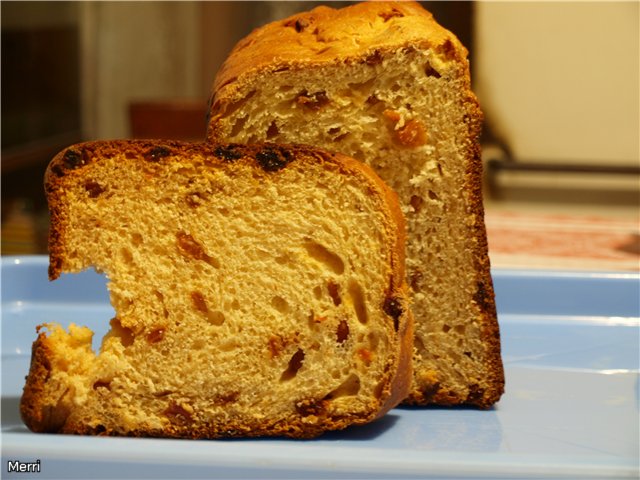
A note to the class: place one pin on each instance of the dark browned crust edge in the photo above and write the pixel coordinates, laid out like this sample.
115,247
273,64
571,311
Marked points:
38,416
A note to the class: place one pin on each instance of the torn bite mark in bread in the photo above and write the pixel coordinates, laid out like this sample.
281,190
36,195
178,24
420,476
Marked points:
390,87
235,318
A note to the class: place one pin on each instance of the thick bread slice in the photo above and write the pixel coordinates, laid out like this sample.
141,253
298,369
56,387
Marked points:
258,291
384,83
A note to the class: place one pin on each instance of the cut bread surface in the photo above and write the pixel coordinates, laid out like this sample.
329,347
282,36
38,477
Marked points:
257,290
384,83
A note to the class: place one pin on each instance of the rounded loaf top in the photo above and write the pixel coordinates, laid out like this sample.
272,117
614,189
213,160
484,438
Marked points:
325,34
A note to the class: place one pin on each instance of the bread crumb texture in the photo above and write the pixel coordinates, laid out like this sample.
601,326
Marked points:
249,286
384,83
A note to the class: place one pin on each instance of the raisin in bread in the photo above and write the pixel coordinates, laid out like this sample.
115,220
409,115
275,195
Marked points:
385,84
257,290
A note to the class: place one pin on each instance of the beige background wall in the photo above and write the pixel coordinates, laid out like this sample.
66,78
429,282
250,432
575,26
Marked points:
559,80
132,51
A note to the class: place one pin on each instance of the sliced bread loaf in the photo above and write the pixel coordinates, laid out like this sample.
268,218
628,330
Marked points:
384,83
257,291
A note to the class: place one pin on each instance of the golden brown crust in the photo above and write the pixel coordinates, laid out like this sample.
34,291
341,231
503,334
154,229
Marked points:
41,413
31,410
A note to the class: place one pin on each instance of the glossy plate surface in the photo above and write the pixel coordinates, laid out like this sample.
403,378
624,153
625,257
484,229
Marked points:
570,344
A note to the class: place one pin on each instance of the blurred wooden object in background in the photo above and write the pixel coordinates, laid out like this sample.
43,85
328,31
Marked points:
176,119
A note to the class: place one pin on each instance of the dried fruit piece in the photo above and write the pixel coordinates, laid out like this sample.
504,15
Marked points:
93,188
342,332
312,101
155,335
412,134
295,364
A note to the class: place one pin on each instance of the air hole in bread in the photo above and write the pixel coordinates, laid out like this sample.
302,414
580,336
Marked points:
295,364
342,333
239,125
179,413
341,137
226,398
216,317
162,393
228,345
199,302
416,203
195,199
317,292
446,328
272,131
358,300
323,255
235,106
126,255
280,304
283,259
433,195
106,384
190,247
430,71
334,292
378,390
136,239
351,386
372,100
99,429
459,329
124,334
337,134
374,340
361,87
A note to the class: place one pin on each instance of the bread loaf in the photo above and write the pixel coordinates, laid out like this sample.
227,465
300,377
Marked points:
257,291
385,84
